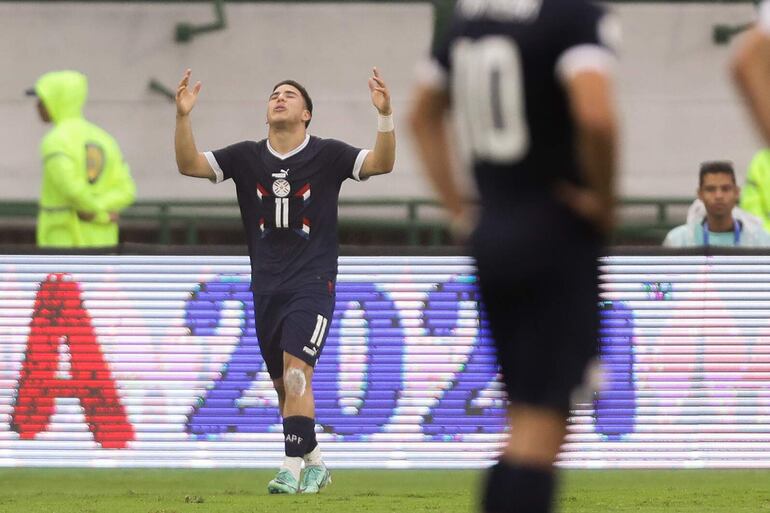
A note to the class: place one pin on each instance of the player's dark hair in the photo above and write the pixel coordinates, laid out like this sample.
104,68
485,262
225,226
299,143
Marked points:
716,166
299,87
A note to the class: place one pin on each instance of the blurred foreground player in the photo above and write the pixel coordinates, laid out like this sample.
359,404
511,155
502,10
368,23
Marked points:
288,186
529,83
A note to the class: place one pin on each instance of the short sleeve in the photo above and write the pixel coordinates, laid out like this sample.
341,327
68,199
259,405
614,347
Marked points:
590,38
345,160
763,17
226,162
434,71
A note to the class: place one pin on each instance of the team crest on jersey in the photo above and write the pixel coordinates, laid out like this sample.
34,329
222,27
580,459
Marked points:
94,161
281,188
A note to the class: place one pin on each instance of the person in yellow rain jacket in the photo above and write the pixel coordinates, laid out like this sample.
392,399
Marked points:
755,194
85,183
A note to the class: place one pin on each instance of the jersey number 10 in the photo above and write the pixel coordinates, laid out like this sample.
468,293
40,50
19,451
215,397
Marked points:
489,98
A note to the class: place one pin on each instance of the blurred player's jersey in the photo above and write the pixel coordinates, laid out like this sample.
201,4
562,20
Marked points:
503,63
289,207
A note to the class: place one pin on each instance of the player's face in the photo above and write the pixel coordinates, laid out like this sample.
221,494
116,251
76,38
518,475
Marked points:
718,193
286,107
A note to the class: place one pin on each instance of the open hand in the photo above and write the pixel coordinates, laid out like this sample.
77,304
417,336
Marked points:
380,93
186,97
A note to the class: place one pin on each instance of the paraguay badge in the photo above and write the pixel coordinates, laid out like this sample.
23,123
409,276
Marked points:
281,188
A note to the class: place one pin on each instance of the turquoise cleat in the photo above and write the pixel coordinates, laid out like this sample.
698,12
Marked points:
283,482
314,478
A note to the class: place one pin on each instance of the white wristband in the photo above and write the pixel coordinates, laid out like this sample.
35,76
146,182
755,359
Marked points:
385,123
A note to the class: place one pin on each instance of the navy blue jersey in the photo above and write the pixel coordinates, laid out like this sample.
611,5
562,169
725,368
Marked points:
503,63
289,207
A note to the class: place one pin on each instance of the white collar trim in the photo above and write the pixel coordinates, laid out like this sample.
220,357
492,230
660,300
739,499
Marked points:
284,156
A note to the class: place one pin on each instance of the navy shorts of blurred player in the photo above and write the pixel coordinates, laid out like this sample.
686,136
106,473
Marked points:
539,286
296,322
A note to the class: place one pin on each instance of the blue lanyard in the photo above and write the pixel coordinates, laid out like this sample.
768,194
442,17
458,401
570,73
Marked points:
736,232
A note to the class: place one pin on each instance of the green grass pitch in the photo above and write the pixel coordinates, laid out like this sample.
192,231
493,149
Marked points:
370,491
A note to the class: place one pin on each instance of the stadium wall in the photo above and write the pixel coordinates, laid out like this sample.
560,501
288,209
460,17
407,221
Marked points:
678,106
140,361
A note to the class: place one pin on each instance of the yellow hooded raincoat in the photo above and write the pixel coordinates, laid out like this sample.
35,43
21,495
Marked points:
83,170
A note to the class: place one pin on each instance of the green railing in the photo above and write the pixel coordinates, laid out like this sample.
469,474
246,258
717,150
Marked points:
415,221
647,220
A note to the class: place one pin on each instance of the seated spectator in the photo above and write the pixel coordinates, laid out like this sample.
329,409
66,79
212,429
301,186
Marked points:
755,197
721,225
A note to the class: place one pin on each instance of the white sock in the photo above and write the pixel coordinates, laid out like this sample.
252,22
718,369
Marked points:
293,465
314,457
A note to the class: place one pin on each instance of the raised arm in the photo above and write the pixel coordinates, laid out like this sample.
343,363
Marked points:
381,159
189,161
